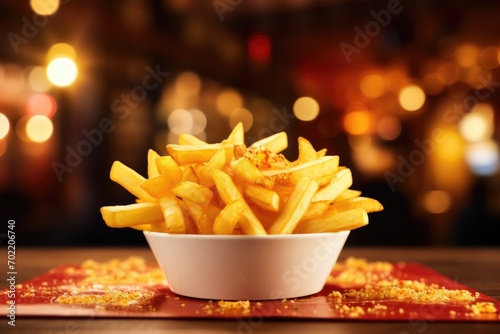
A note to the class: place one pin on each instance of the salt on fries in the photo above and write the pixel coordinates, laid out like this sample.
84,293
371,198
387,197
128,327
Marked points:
228,188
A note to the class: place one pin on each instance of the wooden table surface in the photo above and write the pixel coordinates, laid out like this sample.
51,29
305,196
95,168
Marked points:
476,268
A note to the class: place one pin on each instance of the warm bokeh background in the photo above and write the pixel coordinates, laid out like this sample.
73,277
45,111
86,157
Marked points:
405,92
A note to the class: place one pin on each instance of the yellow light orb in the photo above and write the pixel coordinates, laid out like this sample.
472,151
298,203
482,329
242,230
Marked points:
38,79
306,108
4,126
477,125
44,7
39,128
412,98
62,72
188,84
61,50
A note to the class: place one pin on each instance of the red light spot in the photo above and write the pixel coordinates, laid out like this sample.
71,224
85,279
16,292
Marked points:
259,47
41,104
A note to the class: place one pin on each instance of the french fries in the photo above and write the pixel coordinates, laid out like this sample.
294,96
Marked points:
227,188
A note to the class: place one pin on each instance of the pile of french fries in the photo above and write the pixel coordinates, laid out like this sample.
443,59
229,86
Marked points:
228,188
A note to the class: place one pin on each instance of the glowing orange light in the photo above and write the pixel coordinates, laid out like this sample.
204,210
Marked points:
188,84
372,85
41,104
389,128
44,7
357,122
433,83
4,126
467,55
38,79
437,201
489,57
227,101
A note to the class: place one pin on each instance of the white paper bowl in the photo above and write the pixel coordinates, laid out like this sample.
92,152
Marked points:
243,267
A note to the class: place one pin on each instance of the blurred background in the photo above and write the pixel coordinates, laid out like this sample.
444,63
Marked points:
406,92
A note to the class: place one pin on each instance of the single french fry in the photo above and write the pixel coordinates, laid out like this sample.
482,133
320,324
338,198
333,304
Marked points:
329,192
306,151
316,209
157,186
229,192
168,167
334,222
152,169
193,192
174,218
189,139
275,143
295,207
130,180
228,217
237,136
321,153
263,197
322,170
191,154
369,204
348,194
132,214
191,227
244,170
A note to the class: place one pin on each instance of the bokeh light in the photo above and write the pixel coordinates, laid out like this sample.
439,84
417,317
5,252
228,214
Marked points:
411,98
180,121
199,121
44,7
449,72
62,71
357,122
21,128
306,108
483,158
259,47
467,55
188,84
437,201
61,50
489,57
241,115
372,85
41,104
433,83
4,126
228,100
39,128
477,125
38,79
389,128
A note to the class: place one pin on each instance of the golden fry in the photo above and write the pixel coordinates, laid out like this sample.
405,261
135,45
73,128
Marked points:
191,154
337,185
369,204
244,170
295,207
157,186
132,214
348,194
229,192
168,167
152,169
263,197
193,192
130,180
237,136
334,222
228,217
174,218
275,143
189,139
